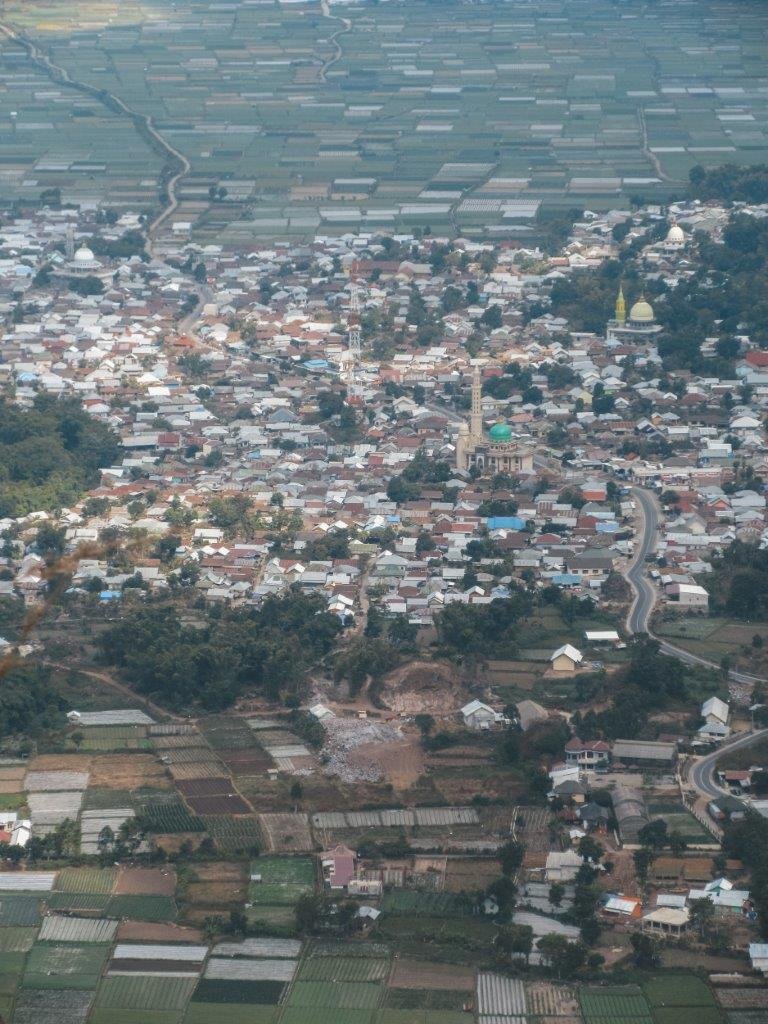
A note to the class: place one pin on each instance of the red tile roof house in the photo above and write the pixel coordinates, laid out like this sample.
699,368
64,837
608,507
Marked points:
338,867
587,753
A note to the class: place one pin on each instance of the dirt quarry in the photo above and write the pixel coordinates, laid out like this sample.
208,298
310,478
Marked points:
361,750
423,687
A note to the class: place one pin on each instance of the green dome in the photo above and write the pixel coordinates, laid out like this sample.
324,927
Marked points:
500,432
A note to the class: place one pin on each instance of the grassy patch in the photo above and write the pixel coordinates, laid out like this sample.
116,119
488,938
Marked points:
214,990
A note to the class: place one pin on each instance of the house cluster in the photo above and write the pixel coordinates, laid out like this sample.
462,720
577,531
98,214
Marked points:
231,377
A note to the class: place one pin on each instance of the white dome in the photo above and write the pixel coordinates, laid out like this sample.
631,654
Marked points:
84,255
676,234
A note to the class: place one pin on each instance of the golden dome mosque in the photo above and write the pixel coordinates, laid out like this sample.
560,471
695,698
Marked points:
640,325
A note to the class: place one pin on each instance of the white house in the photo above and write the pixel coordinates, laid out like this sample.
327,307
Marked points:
479,716
715,711
688,595
562,866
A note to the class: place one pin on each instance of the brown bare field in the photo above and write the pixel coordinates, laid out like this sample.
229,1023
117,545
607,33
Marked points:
206,787
146,881
12,786
128,771
141,931
423,686
555,1001
222,871
266,794
215,895
15,773
458,785
286,833
465,875
195,770
222,803
422,974
217,885
61,763
172,842
743,998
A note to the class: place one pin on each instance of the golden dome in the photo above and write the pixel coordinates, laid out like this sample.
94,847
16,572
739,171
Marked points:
642,312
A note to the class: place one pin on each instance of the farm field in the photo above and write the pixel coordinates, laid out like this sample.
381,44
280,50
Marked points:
679,819
84,970
713,637
537,108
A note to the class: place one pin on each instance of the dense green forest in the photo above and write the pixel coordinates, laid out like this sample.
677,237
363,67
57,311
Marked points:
730,183
649,681
266,651
28,702
739,584
49,454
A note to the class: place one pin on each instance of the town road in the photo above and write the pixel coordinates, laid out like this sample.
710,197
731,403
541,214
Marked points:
639,617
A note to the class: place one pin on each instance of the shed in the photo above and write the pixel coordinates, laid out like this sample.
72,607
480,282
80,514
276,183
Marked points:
566,659
630,813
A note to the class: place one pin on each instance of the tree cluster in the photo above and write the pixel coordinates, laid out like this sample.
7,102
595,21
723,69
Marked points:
49,454
266,650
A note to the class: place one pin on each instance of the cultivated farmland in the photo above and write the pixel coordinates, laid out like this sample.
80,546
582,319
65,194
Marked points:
470,123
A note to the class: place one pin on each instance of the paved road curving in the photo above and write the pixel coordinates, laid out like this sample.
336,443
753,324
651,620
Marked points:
702,775
639,617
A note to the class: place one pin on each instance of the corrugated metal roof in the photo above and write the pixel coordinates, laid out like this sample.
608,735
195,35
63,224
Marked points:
146,951
77,929
251,969
86,718
27,881
497,995
289,948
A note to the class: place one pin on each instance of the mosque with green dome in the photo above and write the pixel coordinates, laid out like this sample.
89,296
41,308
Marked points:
495,452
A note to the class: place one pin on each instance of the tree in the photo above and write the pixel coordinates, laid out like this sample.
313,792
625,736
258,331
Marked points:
564,956
590,849
643,858
645,950
511,856
504,892
702,916
513,941
654,834
556,893
425,724
309,911
677,843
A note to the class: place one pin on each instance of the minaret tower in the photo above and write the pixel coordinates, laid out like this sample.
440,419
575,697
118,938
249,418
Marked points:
476,417
621,307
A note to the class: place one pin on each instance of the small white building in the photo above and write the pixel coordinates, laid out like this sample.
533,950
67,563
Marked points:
758,956
321,712
479,717
566,659
715,711
688,595
562,866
